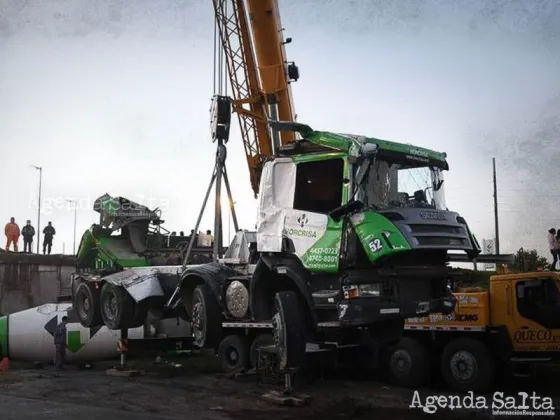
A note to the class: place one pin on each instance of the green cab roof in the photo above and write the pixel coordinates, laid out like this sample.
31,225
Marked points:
345,143
351,144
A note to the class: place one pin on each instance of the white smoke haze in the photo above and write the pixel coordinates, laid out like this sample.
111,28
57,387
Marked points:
113,96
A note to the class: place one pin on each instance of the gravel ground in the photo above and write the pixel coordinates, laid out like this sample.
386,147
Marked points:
197,392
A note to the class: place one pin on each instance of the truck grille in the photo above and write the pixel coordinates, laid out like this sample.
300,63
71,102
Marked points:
446,231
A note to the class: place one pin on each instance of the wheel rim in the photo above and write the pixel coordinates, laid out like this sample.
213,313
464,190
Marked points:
463,366
401,363
84,307
110,307
198,322
278,334
232,356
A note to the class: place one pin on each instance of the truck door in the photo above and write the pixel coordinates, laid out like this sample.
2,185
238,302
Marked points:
536,315
319,188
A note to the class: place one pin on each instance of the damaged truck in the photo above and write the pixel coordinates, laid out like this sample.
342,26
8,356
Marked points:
345,250
128,243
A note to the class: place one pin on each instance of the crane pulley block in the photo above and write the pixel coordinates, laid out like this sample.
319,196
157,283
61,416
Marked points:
293,72
220,117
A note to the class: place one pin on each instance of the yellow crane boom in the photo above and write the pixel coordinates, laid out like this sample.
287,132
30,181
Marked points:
251,37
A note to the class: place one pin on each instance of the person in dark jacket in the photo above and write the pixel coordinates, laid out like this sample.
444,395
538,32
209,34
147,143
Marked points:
60,344
48,233
28,232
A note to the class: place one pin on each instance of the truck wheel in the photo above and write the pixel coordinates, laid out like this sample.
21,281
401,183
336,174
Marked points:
407,363
140,314
117,307
288,330
233,354
467,365
206,317
86,305
259,341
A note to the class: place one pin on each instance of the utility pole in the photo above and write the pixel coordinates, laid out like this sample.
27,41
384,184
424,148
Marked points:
496,226
40,169
75,214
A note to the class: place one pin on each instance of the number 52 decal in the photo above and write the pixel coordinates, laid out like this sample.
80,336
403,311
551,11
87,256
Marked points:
375,245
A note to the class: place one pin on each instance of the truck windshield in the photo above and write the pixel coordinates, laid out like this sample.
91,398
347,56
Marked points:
395,185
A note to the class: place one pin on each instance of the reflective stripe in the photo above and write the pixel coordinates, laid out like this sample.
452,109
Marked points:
443,328
4,336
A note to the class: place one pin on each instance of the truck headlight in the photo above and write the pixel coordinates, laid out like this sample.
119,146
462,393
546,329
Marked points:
362,290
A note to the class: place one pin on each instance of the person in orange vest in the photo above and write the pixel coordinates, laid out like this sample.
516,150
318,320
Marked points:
12,234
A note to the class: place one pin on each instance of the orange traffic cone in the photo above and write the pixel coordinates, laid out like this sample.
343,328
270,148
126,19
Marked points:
4,364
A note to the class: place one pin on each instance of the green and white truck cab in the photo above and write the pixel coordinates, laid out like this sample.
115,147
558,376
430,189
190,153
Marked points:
367,221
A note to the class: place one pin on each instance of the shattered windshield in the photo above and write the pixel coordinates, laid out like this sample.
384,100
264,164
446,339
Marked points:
395,185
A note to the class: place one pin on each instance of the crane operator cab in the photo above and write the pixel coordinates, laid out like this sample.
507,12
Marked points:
366,220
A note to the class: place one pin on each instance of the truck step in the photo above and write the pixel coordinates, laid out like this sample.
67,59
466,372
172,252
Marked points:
530,359
325,294
326,299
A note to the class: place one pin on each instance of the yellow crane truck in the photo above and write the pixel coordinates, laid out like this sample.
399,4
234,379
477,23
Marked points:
513,325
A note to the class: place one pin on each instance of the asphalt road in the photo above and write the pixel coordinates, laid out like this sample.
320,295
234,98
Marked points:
15,408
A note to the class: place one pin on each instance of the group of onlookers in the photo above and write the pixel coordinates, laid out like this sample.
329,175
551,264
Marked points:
13,233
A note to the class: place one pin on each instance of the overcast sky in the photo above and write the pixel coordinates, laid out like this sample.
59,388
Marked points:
113,96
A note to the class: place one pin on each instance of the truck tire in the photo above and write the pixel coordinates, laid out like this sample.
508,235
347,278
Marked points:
407,363
206,317
467,365
117,307
86,304
288,330
140,314
233,354
259,341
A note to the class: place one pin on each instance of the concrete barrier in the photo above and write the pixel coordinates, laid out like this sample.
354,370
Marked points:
29,280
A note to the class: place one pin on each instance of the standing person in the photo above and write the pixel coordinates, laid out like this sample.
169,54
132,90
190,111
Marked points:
28,232
193,236
557,244
60,344
12,234
552,245
48,233
210,237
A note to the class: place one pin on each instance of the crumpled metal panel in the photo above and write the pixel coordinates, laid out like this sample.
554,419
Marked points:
141,282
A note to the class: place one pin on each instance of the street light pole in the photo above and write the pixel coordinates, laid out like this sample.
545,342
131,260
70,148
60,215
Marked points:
40,169
75,214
